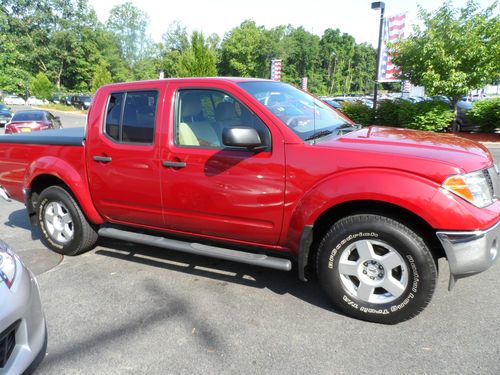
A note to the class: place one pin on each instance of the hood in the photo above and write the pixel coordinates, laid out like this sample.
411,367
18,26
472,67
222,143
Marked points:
403,147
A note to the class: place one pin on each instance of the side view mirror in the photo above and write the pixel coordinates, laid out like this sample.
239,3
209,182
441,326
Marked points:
242,136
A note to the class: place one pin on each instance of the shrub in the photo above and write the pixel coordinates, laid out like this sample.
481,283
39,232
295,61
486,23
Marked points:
486,113
428,115
41,86
431,116
358,112
398,113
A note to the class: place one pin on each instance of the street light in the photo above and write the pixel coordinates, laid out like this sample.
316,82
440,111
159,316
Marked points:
333,54
378,5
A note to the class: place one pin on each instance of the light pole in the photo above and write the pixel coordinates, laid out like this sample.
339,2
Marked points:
378,5
332,75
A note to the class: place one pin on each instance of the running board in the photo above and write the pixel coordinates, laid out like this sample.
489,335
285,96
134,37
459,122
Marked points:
199,249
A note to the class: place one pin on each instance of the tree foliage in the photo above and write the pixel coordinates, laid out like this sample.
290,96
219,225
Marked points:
129,24
102,76
64,40
41,86
486,113
456,51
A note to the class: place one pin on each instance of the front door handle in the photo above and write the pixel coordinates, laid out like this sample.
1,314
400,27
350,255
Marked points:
174,164
102,159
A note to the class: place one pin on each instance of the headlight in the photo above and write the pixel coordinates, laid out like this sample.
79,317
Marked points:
474,187
7,265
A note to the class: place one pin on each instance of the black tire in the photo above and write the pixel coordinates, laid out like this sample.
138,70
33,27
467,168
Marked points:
398,259
77,234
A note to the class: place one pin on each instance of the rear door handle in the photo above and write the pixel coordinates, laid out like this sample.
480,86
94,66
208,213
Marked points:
174,164
102,159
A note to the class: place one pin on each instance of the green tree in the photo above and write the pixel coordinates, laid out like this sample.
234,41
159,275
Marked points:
102,76
187,55
244,52
41,86
130,24
199,60
303,59
458,50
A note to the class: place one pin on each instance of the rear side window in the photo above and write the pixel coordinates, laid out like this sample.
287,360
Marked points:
130,116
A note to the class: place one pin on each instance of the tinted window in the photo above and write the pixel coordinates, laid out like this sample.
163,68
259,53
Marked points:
202,116
130,116
113,115
29,116
139,117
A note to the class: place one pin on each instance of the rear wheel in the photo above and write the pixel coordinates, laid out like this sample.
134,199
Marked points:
64,227
377,269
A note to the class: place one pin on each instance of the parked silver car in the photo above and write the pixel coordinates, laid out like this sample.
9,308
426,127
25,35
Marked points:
23,333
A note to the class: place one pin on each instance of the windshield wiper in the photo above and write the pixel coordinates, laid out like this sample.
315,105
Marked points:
319,134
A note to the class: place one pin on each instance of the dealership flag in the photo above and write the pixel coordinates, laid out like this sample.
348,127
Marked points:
276,70
394,27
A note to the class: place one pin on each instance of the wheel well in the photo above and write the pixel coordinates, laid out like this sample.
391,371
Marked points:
408,218
39,184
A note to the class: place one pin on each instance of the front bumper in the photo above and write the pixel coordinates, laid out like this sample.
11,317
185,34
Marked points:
22,304
471,252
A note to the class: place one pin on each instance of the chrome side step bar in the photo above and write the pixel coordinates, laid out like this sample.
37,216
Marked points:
261,260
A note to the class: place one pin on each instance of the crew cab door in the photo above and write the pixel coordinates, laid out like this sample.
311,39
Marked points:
122,156
217,191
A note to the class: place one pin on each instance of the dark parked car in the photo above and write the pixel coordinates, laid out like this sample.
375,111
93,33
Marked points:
28,121
5,115
462,123
81,101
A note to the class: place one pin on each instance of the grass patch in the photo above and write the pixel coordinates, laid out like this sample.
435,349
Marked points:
62,108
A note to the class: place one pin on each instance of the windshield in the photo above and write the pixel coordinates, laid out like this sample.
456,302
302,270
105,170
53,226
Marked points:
307,116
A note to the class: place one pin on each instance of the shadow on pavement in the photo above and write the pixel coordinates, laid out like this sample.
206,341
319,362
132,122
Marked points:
280,282
122,334
19,219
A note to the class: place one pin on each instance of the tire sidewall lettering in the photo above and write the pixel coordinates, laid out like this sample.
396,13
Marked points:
345,241
368,308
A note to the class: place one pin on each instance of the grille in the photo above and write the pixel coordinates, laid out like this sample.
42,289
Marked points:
493,180
7,343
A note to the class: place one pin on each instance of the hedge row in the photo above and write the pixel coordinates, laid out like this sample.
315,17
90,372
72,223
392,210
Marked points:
428,115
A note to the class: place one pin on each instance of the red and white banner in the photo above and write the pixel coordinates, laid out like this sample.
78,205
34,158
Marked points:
276,70
394,28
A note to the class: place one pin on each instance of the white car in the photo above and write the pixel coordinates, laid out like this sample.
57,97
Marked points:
14,100
23,333
33,100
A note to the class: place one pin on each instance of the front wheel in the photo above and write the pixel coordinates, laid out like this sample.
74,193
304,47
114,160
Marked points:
376,269
64,227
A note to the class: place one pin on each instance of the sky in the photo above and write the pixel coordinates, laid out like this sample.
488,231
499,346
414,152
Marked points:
354,17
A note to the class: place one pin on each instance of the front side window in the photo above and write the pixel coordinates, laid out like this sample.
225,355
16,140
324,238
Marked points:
130,116
202,115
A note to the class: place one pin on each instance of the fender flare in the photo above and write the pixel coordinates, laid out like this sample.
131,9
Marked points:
420,196
74,180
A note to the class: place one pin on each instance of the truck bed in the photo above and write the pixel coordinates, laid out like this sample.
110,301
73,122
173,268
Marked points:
19,152
60,137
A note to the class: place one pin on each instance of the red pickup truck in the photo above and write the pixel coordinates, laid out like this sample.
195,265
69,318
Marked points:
259,172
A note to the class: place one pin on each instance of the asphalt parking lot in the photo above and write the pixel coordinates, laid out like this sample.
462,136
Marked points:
124,308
